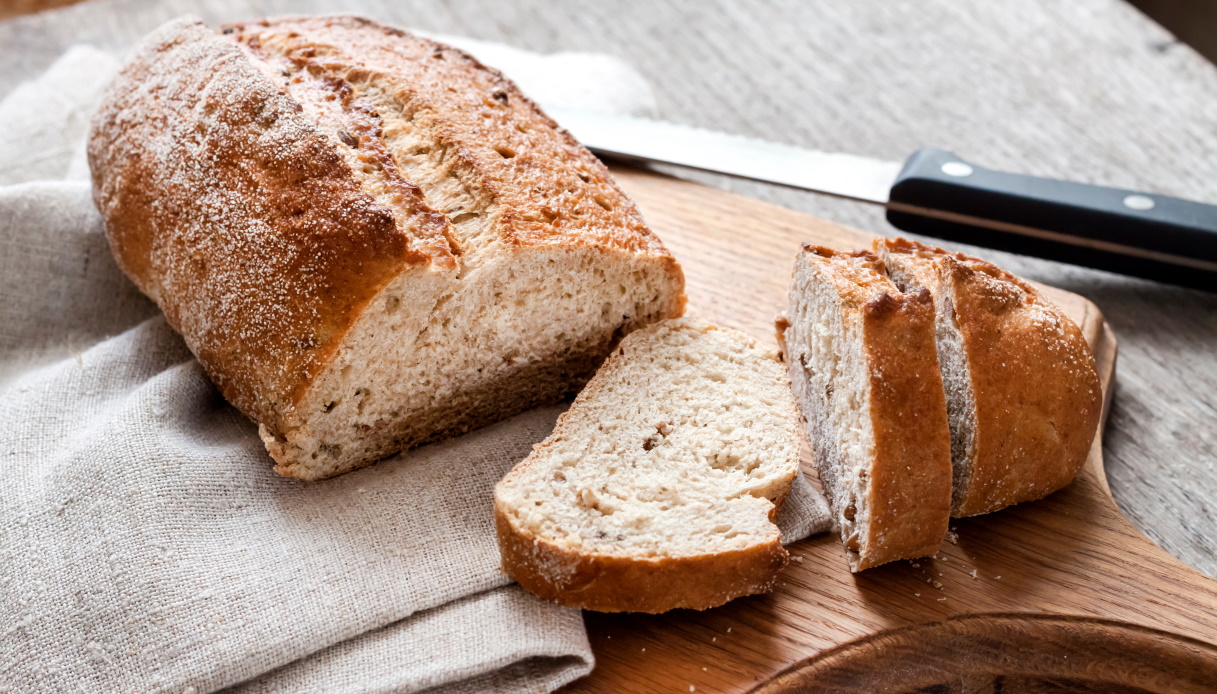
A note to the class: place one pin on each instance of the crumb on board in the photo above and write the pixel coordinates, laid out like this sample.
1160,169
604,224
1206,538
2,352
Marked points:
997,578
728,630
916,595
943,598
952,536
798,558
974,573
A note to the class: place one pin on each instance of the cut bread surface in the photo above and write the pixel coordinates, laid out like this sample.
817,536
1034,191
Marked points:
1022,389
864,369
658,488
515,334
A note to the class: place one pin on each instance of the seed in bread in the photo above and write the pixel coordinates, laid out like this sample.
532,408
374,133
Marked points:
863,364
1023,392
658,488
368,239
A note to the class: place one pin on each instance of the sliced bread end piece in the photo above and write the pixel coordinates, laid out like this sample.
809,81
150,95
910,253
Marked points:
1023,393
658,488
863,363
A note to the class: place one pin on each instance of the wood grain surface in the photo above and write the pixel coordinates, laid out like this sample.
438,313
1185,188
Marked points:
1048,594
1089,90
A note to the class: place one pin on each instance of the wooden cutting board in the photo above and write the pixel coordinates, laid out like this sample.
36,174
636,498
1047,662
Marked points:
1060,595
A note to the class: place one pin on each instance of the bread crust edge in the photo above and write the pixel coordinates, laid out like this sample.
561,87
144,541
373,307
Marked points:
911,507
604,583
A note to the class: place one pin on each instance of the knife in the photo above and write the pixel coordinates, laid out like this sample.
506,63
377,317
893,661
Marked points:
936,193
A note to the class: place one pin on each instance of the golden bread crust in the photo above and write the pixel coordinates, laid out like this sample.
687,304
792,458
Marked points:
1034,381
910,481
548,188
234,213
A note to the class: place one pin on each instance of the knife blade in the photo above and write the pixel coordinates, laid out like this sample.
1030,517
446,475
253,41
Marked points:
936,193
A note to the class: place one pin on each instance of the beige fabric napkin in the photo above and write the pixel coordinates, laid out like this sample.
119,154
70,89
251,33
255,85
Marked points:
145,544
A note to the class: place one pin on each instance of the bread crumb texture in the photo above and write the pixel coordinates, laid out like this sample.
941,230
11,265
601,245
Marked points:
672,460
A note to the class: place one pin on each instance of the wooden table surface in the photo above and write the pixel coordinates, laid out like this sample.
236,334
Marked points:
1089,90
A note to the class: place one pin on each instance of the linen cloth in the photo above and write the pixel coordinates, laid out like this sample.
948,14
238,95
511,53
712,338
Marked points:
145,543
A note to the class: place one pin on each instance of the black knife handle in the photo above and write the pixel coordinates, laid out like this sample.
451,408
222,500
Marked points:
1153,236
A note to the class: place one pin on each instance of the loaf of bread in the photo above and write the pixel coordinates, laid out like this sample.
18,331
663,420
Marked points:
1023,393
863,364
368,239
658,488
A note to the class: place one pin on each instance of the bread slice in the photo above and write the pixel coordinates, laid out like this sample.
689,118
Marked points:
865,373
368,239
658,488
1023,394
